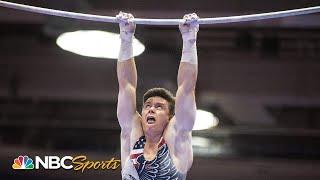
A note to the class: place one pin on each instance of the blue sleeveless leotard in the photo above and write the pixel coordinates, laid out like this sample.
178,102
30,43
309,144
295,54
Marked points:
161,167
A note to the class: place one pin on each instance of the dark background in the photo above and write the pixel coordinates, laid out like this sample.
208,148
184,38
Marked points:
261,79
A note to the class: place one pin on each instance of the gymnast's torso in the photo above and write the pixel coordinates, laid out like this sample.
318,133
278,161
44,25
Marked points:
161,167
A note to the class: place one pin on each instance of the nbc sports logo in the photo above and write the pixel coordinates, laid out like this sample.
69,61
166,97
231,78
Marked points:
22,162
78,163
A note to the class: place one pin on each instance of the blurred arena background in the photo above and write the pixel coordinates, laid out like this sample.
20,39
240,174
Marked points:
261,80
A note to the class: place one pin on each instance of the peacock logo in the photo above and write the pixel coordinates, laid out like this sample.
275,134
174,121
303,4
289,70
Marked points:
22,162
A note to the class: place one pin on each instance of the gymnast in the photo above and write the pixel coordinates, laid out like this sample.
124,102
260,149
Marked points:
156,144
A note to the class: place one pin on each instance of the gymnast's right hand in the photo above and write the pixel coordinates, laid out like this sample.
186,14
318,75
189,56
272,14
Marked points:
127,26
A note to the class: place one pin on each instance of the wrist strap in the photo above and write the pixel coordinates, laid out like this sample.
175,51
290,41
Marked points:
126,50
189,53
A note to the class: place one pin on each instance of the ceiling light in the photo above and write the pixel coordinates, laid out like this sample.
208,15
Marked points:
205,120
200,141
99,44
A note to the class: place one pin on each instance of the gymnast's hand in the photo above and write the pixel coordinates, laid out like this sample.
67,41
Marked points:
127,26
189,27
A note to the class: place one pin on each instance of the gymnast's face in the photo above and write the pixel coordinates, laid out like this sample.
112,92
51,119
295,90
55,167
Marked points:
155,115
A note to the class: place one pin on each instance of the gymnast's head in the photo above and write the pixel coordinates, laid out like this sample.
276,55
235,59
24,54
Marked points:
157,109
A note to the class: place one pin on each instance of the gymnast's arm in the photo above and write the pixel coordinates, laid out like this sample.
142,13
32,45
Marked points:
185,107
127,79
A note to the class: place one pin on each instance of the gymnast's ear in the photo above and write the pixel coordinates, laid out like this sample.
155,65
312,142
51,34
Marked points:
171,116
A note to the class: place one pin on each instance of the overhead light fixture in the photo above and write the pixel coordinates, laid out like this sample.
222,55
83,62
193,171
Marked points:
207,147
202,142
93,43
205,120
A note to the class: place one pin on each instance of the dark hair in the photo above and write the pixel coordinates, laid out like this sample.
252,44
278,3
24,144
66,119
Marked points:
163,93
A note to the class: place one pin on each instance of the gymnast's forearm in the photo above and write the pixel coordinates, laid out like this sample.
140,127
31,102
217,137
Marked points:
127,79
127,74
187,77
188,69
